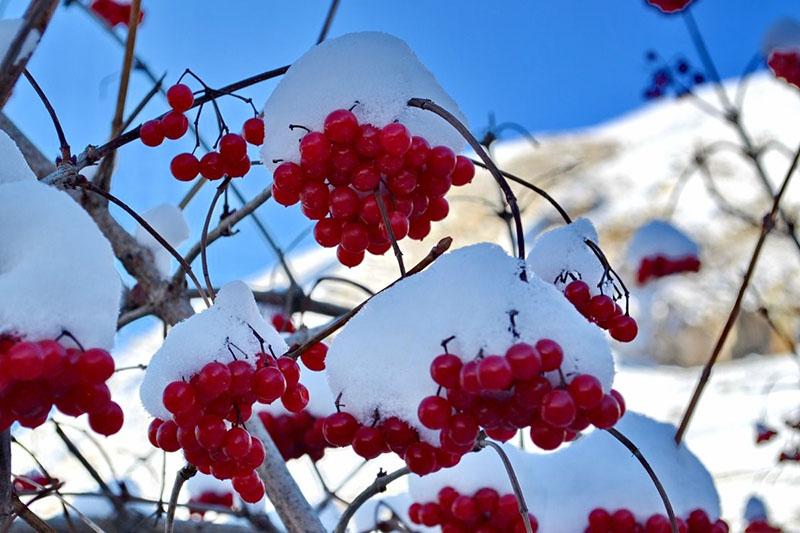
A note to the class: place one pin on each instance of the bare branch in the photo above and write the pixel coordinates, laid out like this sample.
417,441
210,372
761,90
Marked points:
379,485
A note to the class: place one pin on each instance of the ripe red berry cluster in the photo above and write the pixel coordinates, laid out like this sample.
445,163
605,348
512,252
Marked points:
114,13
343,167
35,376
209,497
658,266
623,521
762,526
282,323
670,6
230,159
314,356
602,310
485,511
785,64
296,435
209,410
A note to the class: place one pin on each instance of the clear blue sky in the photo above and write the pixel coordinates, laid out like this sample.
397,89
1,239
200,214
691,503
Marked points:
548,65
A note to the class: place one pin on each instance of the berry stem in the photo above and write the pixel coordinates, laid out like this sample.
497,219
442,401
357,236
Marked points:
382,480
766,227
66,153
390,232
184,474
204,237
663,493
512,476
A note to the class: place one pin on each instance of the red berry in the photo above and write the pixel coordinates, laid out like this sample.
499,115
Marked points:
107,421
174,125
524,361
288,176
348,258
315,196
547,438
419,227
434,412
211,166
242,374
464,509
586,390
253,131
430,515
180,97
402,183
698,521
441,161
601,307
438,209
398,223
237,169
366,178
462,429
657,524
178,397
269,384
344,203
236,443
623,328
339,429
25,361
290,370
395,139
494,373
232,148
152,431
314,357
167,436
550,353
420,457
599,520
606,413
578,293
185,167
151,133
355,237
417,154
295,398
368,442
328,232
445,370
464,171
212,380
341,127
286,197
314,148
558,408
486,499
469,378
620,401
623,520
210,431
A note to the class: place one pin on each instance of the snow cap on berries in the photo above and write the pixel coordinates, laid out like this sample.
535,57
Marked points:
660,238
169,222
783,35
13,166
372,72
381,359
57,271
210,335
562,251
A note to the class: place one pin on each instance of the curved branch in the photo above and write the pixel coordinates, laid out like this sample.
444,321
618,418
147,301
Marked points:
379,485
512,476
184,474
204,237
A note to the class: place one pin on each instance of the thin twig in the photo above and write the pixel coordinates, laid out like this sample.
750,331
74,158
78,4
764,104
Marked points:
390,232
6,488
766,227
512,477
377,486
326,26
184,474
204,237
62,140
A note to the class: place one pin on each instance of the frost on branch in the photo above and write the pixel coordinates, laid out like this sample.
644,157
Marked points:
375,72
380,362
169,222
56,269
205,337
13,167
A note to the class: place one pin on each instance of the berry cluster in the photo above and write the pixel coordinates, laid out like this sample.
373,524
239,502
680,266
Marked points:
680,77
623,521
296,435
601,310
344,171
208,413
670,6
314,356
229,160
785,64
659,266
761,526
282,323
500,394
209,497
764,434
35,376
114,13
486,510
790,455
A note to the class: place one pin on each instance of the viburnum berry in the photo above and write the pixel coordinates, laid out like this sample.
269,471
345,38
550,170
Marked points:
494,373
586,391
550,353
210,431
524,361
295,399
441,161
242,374
174,125
547,438
152,431
269,384
438,208
368,442
212,380
328,232
420,458
445,370
236,443
606,413
670,6
185,167
578,293
339,428
395,139
151,133
344,203
211,166
348,258
25,361
253,131
180,97
434,412
464,171
232,148
341,127
178,397
314,357
558,408
314,147
167,436
237,169
623,328
107,420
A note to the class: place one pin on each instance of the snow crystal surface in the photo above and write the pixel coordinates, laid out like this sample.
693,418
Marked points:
659,237
170,223
782,35
561,488
13,166
57,270
8,30
381,358
210,335
563,250
375,69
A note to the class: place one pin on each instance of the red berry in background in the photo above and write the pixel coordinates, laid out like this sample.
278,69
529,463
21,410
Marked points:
550,353
494,373
446,370
623,328
314,357
348,258
341,127
339,429
698,521
420,457
314,147
395,139
180,97
623,520
184,167
464,509
212,380
670,6
253,131
211,166
108,420
658,524
463,172
434,412
606,413
232,148
152,431
174,125
441,161
151,133
586,390
599,520
524,361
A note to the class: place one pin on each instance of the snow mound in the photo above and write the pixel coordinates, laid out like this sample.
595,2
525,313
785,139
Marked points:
563,250
14,167
169,222
8,31
659,237
212,335
782,35
377,71
57,271
381,359
563,487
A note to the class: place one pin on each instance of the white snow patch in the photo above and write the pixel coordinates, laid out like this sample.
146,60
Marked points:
375,69
169,222
659,237
381,359
205,337
13,167
57,271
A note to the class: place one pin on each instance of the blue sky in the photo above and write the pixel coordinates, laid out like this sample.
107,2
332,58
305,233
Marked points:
548,65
